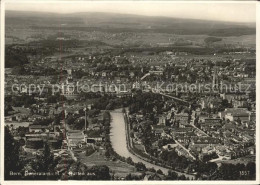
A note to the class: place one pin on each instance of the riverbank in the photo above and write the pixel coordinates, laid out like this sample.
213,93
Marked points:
143,156
121,142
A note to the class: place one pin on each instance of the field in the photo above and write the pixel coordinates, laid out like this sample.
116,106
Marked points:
245,160
120,169
119,29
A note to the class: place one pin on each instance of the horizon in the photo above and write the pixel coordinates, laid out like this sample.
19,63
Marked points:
128,14
230,12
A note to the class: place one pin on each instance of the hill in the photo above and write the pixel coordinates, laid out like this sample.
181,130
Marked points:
115,23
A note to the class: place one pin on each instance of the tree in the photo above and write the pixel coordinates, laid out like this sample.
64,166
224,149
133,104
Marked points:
107,153
79,168
182,177
106,115
225,103
140,166
79,124
8,108
208,157
132,134
57,120
70,120
46,160
230,171
100,173
239,121
129,160
172,175
152,170
159,171
11,156
129,177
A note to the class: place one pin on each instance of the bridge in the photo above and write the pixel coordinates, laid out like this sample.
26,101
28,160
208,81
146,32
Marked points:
173,97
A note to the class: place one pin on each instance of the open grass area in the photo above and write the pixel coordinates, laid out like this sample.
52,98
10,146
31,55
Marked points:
139,147
245,160
120,168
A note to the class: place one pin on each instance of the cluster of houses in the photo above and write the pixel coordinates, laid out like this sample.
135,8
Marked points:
230,133
30,128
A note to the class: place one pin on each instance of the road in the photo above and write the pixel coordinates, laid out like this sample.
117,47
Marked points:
185,149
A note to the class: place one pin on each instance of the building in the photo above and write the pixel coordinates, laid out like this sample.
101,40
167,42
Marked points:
198,143
234,114
74,138
38,128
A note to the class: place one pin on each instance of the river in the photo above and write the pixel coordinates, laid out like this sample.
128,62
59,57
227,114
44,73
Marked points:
119,143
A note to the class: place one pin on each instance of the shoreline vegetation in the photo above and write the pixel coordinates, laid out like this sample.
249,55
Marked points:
140,166
145,157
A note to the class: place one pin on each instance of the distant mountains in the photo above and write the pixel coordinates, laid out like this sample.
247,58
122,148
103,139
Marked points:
115,23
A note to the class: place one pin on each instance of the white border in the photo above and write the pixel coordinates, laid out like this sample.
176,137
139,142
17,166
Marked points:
257,181
2,92
257,89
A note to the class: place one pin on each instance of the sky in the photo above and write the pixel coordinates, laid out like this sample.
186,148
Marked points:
220,11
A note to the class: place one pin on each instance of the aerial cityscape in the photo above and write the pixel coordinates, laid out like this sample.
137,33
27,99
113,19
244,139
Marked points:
114,96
